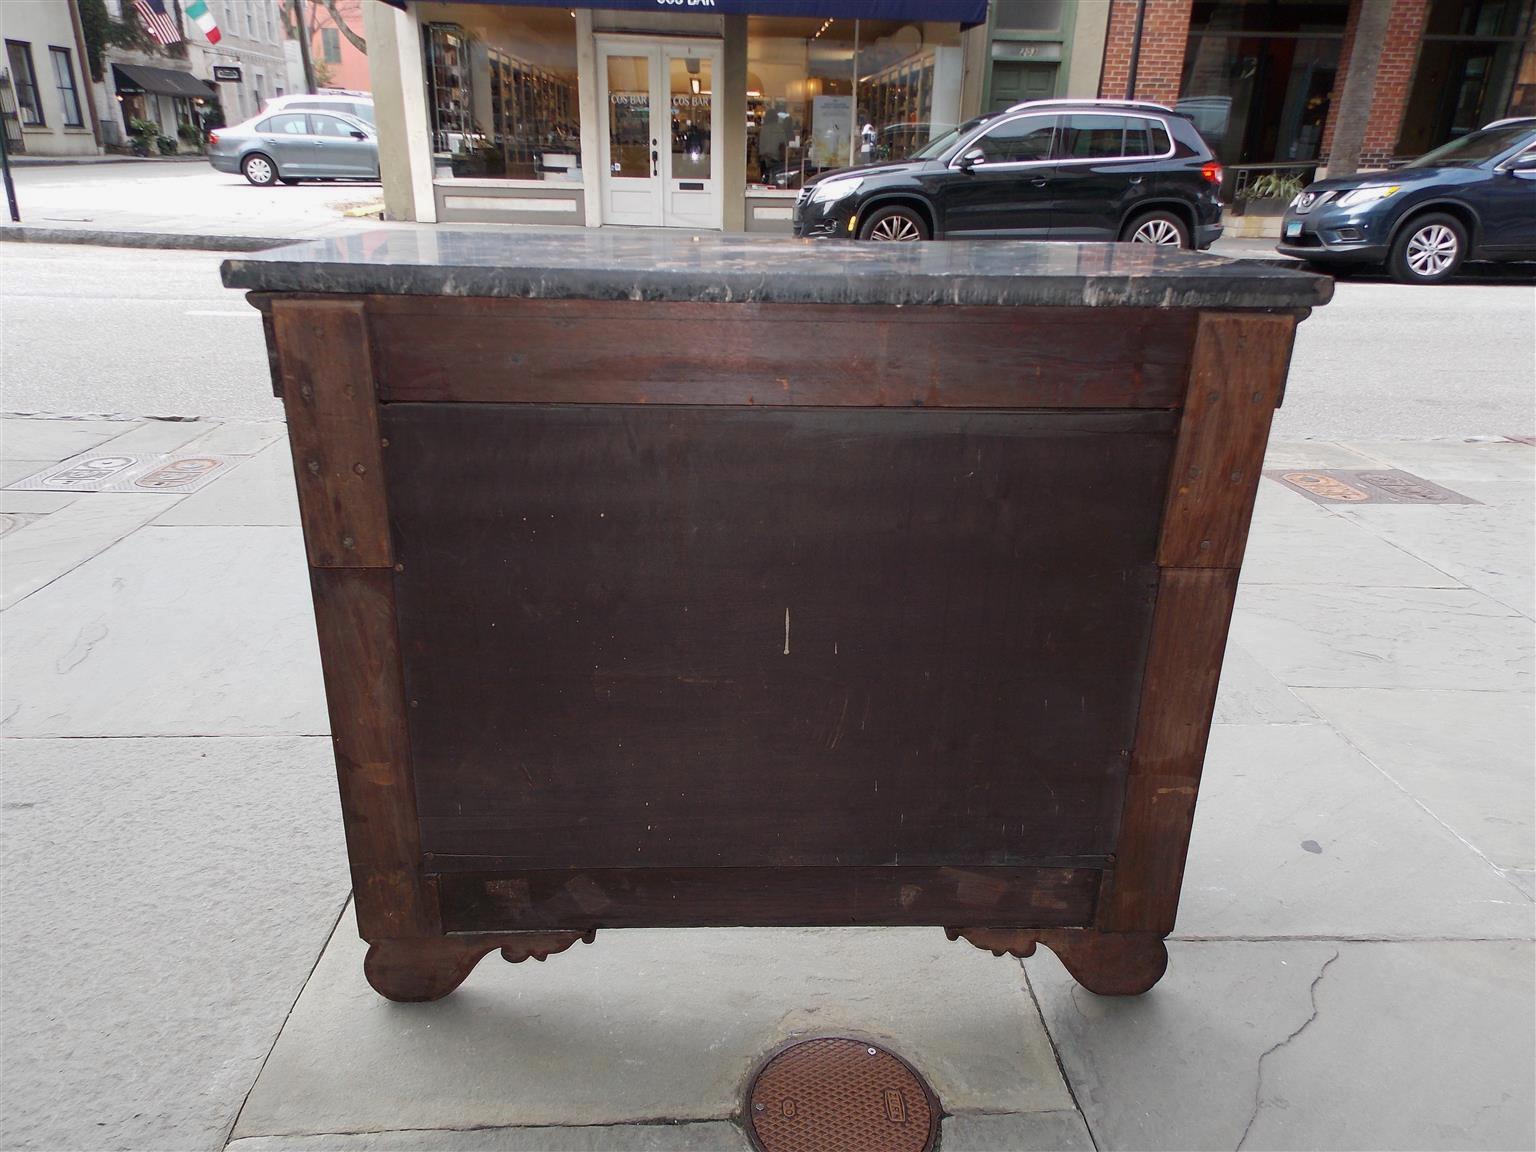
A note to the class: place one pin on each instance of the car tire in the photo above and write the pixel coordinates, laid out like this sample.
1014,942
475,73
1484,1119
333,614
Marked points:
1161,227
895,223
1428,249
259,170
290,180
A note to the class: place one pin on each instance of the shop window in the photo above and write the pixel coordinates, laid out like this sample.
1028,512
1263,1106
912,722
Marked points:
24,80
827,93
501,92
64,81
1026,15
692,94
1466,72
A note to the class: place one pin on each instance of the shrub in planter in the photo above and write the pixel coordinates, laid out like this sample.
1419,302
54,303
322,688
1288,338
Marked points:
189,135
166,145
1280,187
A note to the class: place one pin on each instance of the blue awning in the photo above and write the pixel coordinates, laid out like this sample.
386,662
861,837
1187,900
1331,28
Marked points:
963,11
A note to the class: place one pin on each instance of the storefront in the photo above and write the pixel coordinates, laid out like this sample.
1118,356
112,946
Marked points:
706,114
167,96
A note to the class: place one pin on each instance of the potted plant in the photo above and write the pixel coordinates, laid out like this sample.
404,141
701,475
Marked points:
145,135
1269,193
188,134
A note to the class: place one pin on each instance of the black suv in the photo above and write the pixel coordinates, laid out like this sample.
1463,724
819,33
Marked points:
1045,170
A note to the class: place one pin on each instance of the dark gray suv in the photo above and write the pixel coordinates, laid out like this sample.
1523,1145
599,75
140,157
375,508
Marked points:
1044,170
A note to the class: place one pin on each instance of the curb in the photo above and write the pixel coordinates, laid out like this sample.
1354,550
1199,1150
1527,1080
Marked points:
35,234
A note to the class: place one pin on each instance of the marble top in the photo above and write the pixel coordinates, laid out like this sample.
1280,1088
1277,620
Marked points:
610,264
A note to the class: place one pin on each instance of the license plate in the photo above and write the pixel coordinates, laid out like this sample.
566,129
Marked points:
1292,229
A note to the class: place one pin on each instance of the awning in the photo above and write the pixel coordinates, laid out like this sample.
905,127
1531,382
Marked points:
135,78
942,11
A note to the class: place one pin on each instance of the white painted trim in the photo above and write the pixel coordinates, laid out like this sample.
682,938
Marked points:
772,212
418,129
451,182
508,204
753,193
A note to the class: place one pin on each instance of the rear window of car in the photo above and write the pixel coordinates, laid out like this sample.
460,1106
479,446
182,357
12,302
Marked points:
1099,136
285,124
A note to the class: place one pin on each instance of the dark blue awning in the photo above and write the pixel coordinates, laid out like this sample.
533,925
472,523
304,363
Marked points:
962,11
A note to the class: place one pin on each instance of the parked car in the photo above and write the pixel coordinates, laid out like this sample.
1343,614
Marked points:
295,145
1043,170
348,103
1471,199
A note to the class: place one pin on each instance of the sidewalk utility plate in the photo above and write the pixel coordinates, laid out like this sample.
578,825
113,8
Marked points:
173,474
1366,486
839,1093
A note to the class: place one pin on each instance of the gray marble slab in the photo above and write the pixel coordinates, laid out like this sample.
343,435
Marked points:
611,265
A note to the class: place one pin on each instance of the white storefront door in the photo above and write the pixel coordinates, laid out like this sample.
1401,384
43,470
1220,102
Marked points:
660,138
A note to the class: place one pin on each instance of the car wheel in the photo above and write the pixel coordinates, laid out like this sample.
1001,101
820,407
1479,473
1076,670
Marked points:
1428,250
259,170
289,180
894,223
1162,228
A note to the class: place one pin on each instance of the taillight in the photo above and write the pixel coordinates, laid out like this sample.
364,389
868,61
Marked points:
213,137
1212,172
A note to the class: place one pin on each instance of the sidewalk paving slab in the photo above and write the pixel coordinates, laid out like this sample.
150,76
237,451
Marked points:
1316,1044
698,1136
164,901
647,1025
1297,834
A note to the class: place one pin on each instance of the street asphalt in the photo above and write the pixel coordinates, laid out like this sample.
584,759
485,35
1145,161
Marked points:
1355,960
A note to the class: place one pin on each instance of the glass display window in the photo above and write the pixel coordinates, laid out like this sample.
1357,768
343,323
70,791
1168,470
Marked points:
501,92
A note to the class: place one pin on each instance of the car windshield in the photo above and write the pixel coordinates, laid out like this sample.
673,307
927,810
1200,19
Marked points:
944,143
1475,147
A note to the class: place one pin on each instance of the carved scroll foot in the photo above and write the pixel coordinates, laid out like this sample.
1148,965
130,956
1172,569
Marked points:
411,971
1108,963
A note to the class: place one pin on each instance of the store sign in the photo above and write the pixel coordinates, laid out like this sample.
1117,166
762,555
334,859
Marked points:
226,73
1026,50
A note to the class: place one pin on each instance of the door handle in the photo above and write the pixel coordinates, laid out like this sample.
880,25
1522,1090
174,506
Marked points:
1135,179
1038,181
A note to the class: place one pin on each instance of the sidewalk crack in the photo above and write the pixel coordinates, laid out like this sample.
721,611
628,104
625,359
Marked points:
1258,1084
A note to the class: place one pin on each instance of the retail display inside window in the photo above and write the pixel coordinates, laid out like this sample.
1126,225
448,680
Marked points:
827,93
501,92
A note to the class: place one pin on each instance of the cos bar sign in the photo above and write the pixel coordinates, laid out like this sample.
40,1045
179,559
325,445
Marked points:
226,72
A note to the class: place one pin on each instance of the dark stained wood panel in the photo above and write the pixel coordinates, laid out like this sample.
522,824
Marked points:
726,897
546,351
1235,381
359,653
328,395
1189,637
593,609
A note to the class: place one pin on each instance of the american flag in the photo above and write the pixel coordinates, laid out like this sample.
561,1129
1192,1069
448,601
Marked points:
156,21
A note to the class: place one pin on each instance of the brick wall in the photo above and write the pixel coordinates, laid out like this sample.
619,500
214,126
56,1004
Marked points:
1164,33
1394,77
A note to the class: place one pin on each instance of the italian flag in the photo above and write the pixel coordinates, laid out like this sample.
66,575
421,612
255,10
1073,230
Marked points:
198,13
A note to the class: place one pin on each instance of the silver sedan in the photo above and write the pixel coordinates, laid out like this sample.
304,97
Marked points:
296,145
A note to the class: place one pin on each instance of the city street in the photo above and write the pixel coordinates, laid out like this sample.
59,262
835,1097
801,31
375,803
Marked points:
1353,961
1383,360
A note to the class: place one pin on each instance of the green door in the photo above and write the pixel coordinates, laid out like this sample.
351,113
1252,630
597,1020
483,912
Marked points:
1014,82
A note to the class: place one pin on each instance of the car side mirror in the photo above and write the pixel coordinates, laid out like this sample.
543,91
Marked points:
972,158
356,135
1521,164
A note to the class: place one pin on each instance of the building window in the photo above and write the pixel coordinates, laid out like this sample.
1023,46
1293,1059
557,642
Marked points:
501,92
1467,70
826,93
1258,78
64,80
250,18
330,45
1026,15
24,79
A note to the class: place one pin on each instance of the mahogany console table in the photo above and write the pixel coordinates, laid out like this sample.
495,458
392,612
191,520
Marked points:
686,581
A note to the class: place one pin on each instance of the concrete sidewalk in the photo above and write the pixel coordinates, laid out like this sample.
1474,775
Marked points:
1353,965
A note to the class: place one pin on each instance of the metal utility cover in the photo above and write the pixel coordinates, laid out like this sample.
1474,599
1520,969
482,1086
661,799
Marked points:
1365,486
171,474
835,1092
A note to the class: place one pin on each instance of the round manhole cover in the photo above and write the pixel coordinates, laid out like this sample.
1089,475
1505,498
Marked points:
840,1095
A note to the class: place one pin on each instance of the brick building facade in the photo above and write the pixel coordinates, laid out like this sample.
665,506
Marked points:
1266,81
